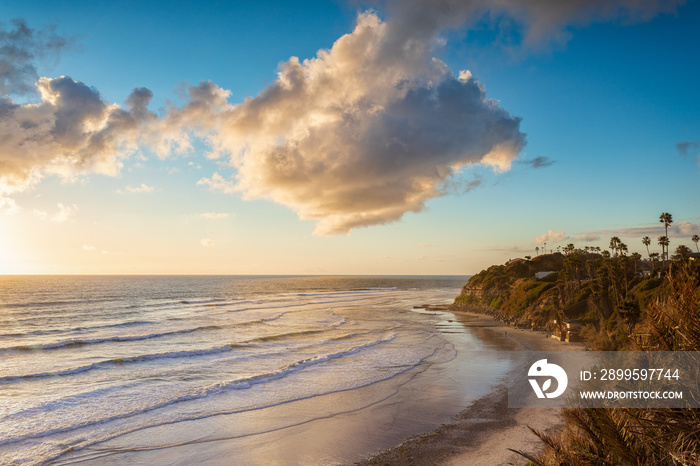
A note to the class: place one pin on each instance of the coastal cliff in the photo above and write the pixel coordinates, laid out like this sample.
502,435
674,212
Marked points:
605,299
621,303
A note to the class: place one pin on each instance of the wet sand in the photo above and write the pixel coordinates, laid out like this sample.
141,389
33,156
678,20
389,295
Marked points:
485,432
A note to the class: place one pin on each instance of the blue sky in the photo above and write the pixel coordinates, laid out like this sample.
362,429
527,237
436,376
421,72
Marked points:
603,99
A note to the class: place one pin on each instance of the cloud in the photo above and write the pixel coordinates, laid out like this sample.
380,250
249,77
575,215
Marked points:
636,231
675,230
8,205
375,126
63,214
511,249
587,237
218,183
689,148
206,242
144,188
685,228
87,247
359,135
530,24
215,215
686,147
551,237
72,131
538,162
20,48
460,185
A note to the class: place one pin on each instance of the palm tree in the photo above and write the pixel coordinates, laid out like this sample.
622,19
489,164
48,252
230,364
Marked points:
646,241
682,252
636,257
663,242
666,219
537,250
622,247
653,257
615,244
695,239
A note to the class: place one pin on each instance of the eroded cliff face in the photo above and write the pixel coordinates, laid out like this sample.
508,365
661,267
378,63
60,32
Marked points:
498,281
604,294
513,292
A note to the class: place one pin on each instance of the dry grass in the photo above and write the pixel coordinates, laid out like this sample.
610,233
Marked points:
622,436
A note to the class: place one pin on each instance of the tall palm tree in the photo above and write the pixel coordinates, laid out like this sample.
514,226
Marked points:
654,256
615,245
622,247
695,239
537,250
646,241
663,242
636,257
666,219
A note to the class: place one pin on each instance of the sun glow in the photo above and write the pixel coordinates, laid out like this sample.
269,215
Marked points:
10,254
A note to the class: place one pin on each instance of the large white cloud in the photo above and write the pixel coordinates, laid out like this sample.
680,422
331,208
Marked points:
363,133
375,126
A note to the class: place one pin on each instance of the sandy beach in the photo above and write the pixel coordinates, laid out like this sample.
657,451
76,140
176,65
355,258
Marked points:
485,432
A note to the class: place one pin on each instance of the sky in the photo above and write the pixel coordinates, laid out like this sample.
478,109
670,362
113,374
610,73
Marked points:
408,137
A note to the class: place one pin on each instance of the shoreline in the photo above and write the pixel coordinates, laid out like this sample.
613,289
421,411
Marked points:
484,432
425,405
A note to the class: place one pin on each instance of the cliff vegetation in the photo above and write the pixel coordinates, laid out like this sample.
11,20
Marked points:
606,297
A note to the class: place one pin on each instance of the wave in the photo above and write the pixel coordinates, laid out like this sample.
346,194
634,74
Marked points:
120,325
343,321
31,332
97,341
169,355
201,301
193,393
270,319
247,382
282,336
75,329
199,416
360,291
262,320
52,303
217,302
122,361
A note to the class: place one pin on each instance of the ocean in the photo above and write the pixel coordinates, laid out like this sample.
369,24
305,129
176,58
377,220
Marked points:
96,367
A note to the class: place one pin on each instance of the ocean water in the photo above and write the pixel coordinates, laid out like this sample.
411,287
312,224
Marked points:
91,360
